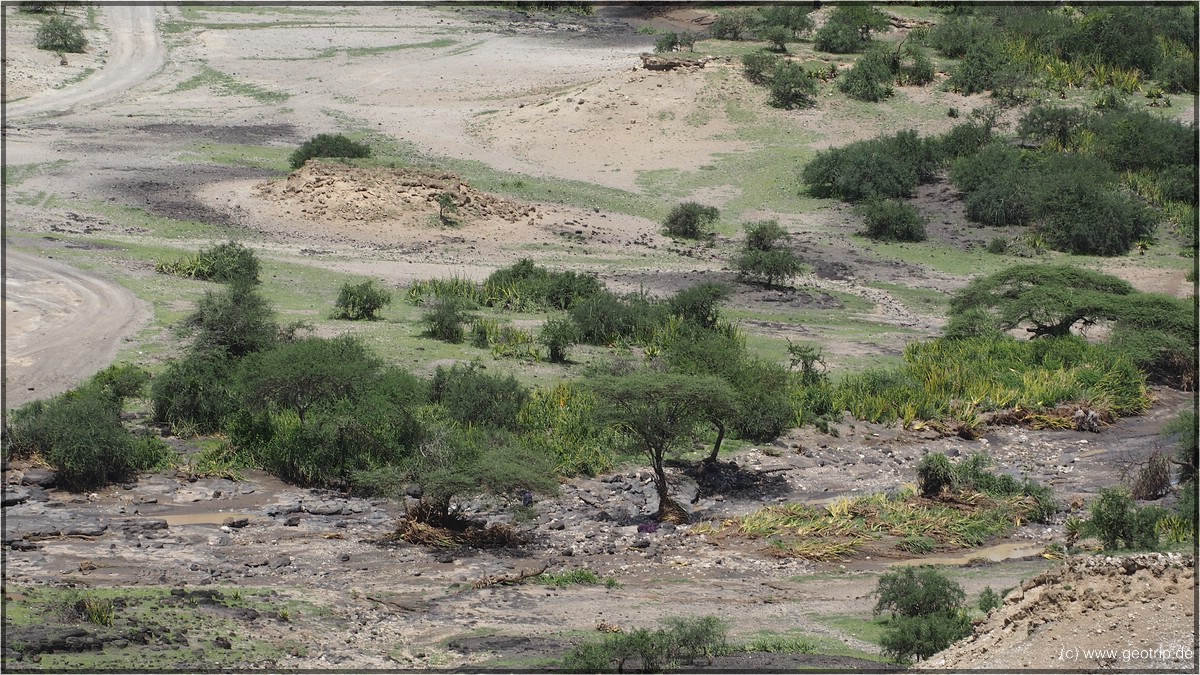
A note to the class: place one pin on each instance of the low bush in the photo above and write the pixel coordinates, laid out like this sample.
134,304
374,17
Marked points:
471,396
667,42
328,145
230,262
700,304
892,220
607,318
360,302
560,422
80,434
557,335
928,612
758,66
1119,523
236,320
989,600
871,77
192,394
791,87
681,644
730,25
690,220
524,286
444,319
886,167
61,34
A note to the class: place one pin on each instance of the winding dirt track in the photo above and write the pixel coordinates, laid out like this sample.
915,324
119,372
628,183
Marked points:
136,53
63,324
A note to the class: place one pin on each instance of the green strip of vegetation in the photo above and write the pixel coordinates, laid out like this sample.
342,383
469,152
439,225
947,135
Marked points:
222,84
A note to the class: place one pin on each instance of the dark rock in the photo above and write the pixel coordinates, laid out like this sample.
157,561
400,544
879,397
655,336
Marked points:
84,530
641,543
413,490
444,556
557,525
236,522
223,642
41,477
292,521
257,562
345,557
15,494
280,561
324,509
22,545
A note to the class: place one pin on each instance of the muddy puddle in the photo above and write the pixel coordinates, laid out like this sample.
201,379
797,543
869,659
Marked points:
997,553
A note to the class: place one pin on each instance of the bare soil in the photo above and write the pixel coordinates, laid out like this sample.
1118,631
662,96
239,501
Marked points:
554,97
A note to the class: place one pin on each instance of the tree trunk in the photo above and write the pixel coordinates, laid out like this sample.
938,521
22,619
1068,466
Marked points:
668,509
711,460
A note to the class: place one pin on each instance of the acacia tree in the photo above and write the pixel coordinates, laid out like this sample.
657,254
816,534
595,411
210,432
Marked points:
1157,332
658,410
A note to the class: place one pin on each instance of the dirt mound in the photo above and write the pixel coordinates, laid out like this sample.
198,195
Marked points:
330,191
1094,613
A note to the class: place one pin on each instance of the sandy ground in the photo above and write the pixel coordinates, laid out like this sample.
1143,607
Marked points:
557,97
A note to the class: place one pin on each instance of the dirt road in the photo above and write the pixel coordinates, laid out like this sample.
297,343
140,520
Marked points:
135,54
61,325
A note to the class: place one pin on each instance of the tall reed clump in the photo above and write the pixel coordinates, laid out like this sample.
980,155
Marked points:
961,378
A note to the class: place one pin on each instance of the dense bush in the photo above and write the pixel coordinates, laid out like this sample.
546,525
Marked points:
236,320
359,302
871,77
892,220
1128,140
61,34
523,286
1119,523
928,612
561,422
758,66
327,145
607,318
887,166
777,36
230,262
80,434
700,304
690,220
304,374
791,87
954,35
848,29
557,335
472,396
681,644
765,256
192,394
730,25
444,319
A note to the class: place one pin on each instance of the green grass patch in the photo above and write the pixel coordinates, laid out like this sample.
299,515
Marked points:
258,156
938,257
356,52
924,300
77,77
837,530
182,631
862,628
223,84
15,174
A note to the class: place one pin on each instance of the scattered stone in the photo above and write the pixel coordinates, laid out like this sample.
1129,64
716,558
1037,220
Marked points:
236,522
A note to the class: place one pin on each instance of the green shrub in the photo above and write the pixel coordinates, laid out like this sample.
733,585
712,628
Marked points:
768,267
964,139
557,335
730,25
797,20
690,220
791,87
762,407
699,304
524,286
1052,124
956,33
1128,140
606,318
925,635
61,34
667,42
360,302
561,422
120,382
305,374
935,474
1177,74
838,37
327,145
758,66
471,396
997,246
917,591
1119,523
192,395
444,319
871,77
80,434
984,66
778,36
890,219
236,320
226,263
914,67
989,600
681,644
887,166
